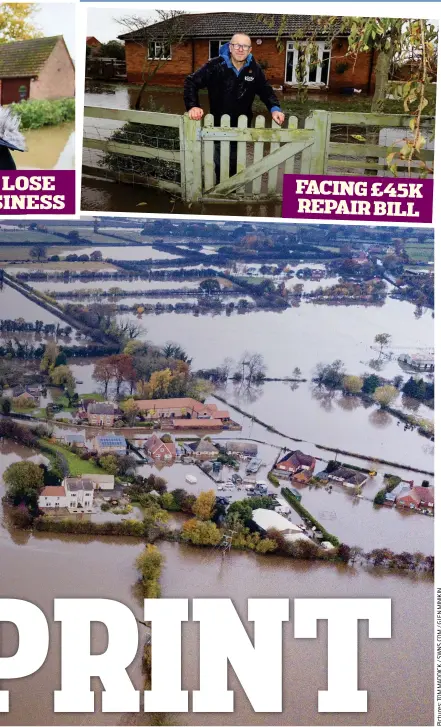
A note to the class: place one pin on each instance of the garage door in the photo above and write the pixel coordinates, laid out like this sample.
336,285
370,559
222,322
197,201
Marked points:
14,90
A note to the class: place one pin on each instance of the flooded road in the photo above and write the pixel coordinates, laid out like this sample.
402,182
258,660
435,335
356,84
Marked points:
51,147
14,305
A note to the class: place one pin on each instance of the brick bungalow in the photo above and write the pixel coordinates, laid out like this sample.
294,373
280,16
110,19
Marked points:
204,450
160,450
40,68
199,36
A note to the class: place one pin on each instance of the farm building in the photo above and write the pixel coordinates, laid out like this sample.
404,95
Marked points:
40,68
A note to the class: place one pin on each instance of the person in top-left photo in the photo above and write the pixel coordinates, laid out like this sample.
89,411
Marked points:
37,86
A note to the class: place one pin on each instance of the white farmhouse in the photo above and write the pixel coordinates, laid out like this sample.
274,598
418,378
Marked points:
76,495
79,493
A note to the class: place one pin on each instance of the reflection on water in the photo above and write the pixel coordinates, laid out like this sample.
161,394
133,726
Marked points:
51,147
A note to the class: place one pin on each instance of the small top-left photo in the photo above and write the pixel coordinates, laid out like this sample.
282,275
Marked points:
37,86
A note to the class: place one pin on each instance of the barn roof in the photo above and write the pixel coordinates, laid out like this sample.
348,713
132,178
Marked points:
26,58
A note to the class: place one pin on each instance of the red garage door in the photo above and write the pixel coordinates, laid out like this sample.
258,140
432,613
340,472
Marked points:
14,90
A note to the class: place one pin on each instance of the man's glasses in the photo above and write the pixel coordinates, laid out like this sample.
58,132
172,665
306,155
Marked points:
239,46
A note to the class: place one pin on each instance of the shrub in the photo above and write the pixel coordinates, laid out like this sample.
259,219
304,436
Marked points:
35,114
273,479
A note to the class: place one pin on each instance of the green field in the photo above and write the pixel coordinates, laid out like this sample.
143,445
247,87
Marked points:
77,466
420,253
11,236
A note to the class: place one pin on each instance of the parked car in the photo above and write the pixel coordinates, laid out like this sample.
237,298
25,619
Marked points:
237,479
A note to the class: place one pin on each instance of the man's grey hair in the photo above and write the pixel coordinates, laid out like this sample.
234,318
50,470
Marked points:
246,36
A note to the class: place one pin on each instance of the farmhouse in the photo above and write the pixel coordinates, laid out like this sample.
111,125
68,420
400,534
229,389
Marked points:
185,413
40,68
101,414
76,495
183,44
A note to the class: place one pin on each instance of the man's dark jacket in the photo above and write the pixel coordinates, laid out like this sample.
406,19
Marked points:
229,92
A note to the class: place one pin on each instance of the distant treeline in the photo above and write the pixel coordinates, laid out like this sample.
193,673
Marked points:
20,325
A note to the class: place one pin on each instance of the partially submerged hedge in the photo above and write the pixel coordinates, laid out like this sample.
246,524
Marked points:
35,114
306,515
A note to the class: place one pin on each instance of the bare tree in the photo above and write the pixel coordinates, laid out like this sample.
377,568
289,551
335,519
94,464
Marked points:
157,40
256,367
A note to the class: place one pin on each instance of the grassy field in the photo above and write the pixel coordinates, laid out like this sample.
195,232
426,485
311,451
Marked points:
77,466
420,253
35,236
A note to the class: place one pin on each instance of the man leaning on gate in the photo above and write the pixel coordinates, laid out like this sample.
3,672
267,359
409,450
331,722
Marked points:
232,79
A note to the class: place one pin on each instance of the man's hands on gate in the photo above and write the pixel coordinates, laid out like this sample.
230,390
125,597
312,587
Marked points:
196,113
279,117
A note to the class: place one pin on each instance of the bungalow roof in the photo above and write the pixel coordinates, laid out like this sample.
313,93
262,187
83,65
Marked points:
224,25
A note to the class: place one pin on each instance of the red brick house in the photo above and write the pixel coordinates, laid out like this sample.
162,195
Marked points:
40,68
180,408
160,450
93,44
101,414
200,36
417,497
296,465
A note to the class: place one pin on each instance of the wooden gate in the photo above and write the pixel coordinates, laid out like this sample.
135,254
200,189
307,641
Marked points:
229,163
338,143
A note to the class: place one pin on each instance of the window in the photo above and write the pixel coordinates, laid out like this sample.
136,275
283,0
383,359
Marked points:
316,70
214,47
159,50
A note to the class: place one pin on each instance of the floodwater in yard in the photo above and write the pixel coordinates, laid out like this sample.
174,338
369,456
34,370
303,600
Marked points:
42,567
51,147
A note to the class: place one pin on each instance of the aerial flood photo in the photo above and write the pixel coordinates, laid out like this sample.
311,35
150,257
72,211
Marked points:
199,408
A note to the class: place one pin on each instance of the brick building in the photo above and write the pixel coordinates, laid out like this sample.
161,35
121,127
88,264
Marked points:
200,35
160,450
40,68
101,414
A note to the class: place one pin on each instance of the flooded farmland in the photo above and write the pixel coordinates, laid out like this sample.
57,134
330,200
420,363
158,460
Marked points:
300,336
276,416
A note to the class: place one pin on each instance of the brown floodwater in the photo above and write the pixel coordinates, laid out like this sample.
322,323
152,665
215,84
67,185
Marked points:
51,147
41,568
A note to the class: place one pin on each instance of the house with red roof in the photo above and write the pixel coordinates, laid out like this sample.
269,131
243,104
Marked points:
160,450
296,465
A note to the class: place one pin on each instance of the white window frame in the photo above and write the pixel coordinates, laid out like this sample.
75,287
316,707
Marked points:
220,44
319,81
159,44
